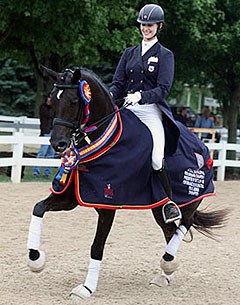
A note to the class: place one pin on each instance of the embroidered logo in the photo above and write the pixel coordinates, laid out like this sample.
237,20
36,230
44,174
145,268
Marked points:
194,179
152,59
108,191
150,68
200,160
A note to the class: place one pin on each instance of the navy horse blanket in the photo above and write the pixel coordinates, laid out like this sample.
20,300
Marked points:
122,177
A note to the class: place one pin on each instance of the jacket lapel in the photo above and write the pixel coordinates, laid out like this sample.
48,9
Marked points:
153,51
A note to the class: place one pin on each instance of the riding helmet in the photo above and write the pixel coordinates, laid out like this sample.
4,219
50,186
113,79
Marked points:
150,14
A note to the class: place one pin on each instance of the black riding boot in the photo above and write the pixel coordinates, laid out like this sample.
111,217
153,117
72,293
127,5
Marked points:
170,210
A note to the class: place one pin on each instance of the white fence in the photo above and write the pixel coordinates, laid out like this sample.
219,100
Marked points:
18,140
11,124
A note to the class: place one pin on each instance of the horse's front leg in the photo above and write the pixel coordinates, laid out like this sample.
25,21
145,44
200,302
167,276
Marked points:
36,257
105,221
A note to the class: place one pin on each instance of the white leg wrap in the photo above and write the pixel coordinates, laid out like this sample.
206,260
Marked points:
93,274
175,241
35,230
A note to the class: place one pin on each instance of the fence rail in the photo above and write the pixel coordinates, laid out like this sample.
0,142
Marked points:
17,142
11,124
19,139
25,131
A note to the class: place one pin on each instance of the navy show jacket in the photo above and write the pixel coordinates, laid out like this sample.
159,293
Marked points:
152,75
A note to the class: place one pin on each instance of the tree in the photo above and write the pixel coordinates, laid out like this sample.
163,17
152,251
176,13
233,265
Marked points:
207,34
204,35
69,33
17,86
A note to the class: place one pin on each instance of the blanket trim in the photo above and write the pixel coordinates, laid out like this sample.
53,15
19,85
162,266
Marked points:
74,177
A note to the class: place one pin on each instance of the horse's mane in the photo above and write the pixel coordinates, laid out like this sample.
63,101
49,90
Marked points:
97,79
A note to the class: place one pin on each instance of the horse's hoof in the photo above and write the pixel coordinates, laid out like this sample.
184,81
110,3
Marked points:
80,293
38,264
160,280
168,267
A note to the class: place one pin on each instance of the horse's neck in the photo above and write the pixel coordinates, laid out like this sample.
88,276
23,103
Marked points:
100,107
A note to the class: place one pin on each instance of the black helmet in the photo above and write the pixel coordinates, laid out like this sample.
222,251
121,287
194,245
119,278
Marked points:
151,13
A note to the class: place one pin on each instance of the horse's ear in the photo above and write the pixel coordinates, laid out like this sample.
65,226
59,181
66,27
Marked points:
50,73
76,75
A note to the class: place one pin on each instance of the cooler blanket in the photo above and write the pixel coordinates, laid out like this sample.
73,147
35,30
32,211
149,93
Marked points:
122,177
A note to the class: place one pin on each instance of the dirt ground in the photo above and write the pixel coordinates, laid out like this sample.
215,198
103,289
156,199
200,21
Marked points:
208,274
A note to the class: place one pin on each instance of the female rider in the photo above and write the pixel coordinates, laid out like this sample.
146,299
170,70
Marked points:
145,74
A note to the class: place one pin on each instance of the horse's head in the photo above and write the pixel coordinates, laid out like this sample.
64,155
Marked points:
70,97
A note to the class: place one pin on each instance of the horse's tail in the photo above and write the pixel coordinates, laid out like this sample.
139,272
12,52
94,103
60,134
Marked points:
205,222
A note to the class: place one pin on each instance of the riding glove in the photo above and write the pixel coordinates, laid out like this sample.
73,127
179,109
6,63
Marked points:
133,98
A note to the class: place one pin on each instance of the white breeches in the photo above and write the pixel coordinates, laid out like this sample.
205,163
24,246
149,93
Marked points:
151,116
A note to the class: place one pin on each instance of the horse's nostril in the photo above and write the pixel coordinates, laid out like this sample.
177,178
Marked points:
61,147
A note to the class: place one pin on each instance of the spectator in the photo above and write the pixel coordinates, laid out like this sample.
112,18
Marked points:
46,114
205,121
181,115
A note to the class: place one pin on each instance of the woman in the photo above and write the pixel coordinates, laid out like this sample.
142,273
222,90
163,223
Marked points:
145,74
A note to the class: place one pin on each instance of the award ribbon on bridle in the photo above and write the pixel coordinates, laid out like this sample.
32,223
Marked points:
73,155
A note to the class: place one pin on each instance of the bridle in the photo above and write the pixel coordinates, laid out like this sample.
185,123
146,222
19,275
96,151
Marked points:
78,133
65,123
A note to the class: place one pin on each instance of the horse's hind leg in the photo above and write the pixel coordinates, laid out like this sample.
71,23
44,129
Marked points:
105,221
36,257
174,236
169,230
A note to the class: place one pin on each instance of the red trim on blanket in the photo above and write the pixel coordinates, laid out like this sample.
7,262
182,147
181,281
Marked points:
112,207
196,199
129,207
75,176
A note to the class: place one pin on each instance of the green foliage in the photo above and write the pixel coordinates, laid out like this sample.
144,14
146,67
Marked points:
71,31
17,85
203,34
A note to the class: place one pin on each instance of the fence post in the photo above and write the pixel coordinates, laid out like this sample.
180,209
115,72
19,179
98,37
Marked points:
222,159
17,157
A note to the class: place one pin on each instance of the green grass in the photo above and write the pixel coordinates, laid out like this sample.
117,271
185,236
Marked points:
28,176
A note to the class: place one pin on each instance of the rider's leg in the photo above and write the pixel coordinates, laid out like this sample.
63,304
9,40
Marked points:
170,210
151,116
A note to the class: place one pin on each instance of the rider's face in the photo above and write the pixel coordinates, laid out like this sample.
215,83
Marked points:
148,31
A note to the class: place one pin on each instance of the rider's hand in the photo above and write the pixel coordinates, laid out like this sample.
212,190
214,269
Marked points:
133,98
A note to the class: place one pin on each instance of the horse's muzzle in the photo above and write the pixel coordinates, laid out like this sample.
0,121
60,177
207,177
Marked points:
59,146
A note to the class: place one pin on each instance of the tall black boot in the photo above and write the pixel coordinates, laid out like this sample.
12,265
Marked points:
170,210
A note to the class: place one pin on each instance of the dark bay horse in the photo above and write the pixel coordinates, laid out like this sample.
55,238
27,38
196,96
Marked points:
87,128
